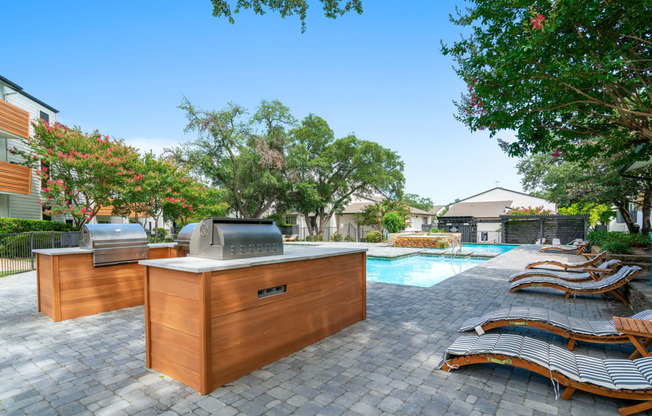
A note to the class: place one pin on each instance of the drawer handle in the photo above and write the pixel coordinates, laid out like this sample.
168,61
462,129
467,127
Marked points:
272,291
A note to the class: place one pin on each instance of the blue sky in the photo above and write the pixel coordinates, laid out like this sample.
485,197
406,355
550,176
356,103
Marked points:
122,67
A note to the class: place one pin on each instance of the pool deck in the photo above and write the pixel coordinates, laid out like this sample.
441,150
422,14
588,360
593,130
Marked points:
386,365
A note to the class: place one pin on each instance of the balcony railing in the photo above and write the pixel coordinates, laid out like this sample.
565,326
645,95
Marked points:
15,178
14,120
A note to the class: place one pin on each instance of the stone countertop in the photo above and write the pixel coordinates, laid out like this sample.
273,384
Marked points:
201,265
77,250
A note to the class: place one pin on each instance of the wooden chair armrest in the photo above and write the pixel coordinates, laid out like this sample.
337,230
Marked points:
596,270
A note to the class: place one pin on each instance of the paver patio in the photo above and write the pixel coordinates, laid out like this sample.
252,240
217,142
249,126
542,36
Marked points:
386,365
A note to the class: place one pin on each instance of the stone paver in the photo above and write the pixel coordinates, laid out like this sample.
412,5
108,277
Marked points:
386,365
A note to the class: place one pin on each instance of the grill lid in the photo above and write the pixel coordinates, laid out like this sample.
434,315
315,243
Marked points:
231,238
115,243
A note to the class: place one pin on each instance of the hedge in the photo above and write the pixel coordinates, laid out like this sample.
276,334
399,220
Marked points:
19,225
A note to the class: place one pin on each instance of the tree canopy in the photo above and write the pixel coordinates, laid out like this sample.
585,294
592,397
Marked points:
243,156
416,201
323,172
569,76
332,8
586,185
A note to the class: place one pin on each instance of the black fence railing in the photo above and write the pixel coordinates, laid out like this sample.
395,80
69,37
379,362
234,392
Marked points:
348,232
16,250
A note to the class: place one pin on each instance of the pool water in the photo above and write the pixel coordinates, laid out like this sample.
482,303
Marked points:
488,248
422,271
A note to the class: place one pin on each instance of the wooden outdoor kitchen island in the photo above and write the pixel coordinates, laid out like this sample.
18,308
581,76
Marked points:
209,322
68,285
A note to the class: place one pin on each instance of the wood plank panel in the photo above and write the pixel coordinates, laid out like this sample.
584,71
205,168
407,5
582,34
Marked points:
171,319
14,120
271,324
75,308
115,288
236,290
159,253
175,371
171,282
15,178
173,352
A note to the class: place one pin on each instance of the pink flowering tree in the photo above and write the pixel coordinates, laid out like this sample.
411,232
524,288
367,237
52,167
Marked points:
80,172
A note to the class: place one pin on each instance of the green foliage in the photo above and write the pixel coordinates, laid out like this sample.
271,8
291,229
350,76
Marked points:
589,184
337,237
416,201
392,222
161,232
600,213
279,218
373,237
242,156
332,8
617,247
318,237
530,211
308,238
442,244
18,225
349,238
616,241
323,172
566,76
435,231
372,215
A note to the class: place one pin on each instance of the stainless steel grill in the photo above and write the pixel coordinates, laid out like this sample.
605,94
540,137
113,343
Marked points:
115,243
231,238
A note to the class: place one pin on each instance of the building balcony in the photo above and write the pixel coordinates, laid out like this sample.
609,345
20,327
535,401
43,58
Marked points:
14,122
15,179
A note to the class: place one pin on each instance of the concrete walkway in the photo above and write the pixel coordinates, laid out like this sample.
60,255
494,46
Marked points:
386,365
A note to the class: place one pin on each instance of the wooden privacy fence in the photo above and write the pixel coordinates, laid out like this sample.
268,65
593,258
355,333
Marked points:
528,229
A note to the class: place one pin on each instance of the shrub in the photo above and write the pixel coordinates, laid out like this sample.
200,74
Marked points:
373,237
603,238
442,244
318,237
393,222
162,232
308,238
337,237
435,231
19,225
348,238
617,247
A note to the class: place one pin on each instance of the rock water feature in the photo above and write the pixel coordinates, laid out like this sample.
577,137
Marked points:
440,240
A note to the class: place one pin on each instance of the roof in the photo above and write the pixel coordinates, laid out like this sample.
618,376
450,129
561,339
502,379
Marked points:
358,207
504,189
437,208
491,209
19,89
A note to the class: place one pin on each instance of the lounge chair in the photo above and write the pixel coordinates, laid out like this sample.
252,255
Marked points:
609,284
575,247
619,378
590,273
292,237
575,329
591,260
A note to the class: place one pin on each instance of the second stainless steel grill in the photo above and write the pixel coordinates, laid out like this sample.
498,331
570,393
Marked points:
231,238
115,243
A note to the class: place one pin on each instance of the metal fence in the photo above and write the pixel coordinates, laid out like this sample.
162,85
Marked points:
16,250
528,229
349,232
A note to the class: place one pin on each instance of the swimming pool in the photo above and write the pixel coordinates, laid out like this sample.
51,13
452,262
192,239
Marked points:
488,248
423,271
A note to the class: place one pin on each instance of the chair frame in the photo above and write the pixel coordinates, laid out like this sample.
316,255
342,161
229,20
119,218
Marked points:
645,396
607,289
591,259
